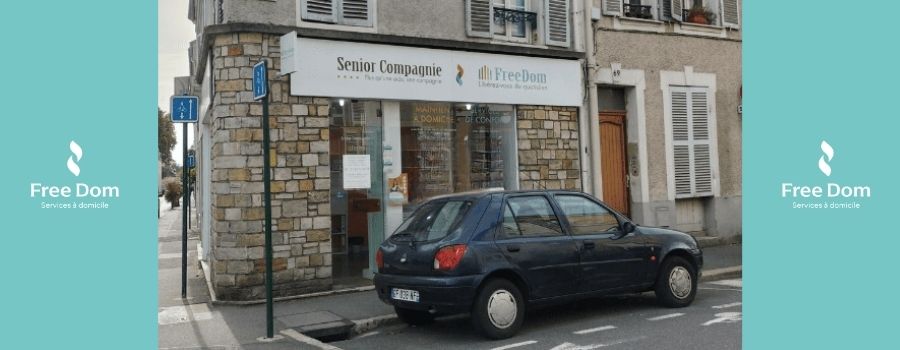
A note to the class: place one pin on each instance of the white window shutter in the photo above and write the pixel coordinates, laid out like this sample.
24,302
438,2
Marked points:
702,161
356,12
612,7
319,10
677,7
692,142
479,18
665,10
681,142
731,13
557,22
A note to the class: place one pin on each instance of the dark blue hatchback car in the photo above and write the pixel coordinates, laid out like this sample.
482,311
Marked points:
494,253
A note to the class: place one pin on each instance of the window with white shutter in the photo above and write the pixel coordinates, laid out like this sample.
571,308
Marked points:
346,12
692,142
612,7
479,17
676,10
557,22
731,13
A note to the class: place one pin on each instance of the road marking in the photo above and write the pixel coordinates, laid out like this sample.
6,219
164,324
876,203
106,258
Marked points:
510,346
663,317
731,289
592,330
169,256
734,283
181,314
293,334
367,334
726,305
724,317
570,346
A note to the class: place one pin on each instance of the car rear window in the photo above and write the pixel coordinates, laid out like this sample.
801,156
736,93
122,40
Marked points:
434,220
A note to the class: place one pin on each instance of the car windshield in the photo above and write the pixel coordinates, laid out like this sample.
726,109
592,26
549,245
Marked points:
433,220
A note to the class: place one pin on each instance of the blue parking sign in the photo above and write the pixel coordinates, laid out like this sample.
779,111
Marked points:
190,161
184,109
260,80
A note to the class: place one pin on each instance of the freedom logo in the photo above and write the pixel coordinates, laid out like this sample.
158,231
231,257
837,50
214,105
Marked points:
78,190
829,190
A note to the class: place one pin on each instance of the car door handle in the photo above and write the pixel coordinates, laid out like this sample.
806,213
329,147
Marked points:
512,248
589,245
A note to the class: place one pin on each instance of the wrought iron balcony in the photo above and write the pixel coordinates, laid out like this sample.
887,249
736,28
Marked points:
503,15
637,11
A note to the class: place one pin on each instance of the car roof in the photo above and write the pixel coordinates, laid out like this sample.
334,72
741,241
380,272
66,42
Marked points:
485,192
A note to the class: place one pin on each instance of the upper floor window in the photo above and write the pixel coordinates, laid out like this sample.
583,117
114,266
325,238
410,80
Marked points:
512,21
719,13
544,22
346,12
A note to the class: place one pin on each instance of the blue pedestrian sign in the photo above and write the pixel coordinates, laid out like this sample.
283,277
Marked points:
184,109
190,161
260,81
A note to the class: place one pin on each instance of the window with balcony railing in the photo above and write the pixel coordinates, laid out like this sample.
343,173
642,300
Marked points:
716,13
536,22
636,9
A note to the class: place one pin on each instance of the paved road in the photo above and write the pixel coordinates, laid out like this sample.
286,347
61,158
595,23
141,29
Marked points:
713,321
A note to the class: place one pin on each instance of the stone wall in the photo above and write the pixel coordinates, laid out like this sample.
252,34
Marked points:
548,147
300,177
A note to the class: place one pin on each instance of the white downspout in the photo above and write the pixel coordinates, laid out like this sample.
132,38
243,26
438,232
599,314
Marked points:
592,111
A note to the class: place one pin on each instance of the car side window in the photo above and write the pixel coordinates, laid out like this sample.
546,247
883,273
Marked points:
586,216
534,216
510,227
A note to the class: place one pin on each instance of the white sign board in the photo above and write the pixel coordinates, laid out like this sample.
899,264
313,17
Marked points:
357,171
330,68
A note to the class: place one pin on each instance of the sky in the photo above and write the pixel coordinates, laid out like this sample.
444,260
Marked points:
175,32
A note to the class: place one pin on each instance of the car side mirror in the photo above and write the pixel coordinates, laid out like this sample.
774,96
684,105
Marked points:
628,227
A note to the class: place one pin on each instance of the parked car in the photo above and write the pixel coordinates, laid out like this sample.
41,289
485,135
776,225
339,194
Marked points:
494,254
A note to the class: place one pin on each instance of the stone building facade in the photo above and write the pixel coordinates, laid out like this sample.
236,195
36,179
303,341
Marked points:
300,178
316,242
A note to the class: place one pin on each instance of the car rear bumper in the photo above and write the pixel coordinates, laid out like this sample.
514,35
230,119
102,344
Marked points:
445,294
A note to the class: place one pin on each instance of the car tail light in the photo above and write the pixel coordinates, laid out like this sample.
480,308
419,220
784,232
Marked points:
379,259
448,257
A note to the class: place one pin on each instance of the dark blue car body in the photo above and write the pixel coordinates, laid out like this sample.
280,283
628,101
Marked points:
545,268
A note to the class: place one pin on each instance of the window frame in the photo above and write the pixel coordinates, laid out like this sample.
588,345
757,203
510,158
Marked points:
339,21
571,228
508,26
501,235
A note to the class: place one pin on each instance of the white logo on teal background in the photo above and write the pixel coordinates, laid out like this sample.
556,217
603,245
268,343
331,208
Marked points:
823,164
73,164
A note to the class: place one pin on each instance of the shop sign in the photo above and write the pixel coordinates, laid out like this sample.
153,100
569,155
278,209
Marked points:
330,68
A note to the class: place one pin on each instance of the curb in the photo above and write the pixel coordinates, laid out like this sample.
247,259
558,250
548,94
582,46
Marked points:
722,273
371,323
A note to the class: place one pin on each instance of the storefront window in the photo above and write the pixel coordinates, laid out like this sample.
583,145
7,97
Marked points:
456,147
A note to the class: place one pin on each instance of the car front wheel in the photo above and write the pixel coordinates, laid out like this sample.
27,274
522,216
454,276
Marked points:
676,284
499,309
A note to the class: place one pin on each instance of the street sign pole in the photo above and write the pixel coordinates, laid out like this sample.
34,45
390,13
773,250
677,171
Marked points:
184,110
261,92
184,213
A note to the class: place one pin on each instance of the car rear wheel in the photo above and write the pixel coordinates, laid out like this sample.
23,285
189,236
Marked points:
499,309
413,317
676,284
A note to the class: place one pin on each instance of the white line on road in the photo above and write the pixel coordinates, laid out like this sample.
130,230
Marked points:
570,346
169,256
663,317
726,305
592,330
510,346
734,283
180,314
731,289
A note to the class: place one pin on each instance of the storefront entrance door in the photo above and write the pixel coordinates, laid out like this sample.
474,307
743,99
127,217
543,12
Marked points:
613,164
357,189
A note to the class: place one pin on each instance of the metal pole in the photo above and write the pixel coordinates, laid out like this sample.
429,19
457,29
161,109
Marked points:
270,329
184,213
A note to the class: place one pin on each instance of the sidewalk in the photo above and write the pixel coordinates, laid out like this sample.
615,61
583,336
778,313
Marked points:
196,323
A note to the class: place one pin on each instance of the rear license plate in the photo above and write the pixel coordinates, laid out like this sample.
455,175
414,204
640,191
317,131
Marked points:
405,295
